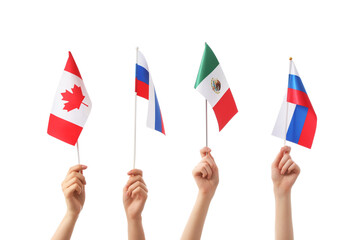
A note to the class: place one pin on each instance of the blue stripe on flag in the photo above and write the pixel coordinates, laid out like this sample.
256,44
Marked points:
142,74
296,124
158,124
296,83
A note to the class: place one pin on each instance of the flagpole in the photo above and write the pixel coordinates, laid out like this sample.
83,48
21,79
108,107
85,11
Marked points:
206,119
137,50
78,153
287,106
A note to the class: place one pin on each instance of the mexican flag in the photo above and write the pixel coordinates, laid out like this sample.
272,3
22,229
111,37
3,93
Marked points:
212,84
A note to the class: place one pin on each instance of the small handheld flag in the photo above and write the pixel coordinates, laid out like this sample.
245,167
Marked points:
71,107
212,84
144,87
297,119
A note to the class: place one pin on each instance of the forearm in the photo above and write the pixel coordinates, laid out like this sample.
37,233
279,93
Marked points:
135,229
66,227
283,218
195,224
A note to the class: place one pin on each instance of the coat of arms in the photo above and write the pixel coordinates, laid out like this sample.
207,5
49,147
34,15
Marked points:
216,85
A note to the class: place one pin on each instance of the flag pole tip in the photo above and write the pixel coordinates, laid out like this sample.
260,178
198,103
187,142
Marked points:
290,58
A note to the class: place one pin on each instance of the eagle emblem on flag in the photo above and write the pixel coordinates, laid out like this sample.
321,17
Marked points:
216,85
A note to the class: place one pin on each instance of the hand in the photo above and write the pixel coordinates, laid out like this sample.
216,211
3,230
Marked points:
74,189
284,171
134,195
206,174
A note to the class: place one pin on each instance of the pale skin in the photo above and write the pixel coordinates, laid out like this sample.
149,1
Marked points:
284,172
206,176
74,191
134,198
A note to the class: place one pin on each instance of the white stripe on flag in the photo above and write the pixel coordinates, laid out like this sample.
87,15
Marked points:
76,116
293,70
142,61
151,108
205,86
279,129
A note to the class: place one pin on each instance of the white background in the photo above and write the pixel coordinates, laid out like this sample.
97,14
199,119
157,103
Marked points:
252,40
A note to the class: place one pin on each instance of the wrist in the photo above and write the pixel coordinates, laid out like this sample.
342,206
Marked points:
280,194
134,222
134,219
72,215
205,196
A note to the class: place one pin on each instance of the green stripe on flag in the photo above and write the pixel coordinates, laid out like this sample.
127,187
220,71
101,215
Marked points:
208,63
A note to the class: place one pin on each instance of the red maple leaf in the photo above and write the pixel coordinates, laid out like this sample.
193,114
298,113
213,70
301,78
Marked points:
74,99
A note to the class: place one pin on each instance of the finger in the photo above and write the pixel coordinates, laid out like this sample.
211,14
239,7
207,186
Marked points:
280,155
136,185
294,168
209,160
211,156
284,160
204,151
203,170
134,179
208,170
135,172
77,175
73,188
79,187
286,166
71,182
198,170
77,168
139,192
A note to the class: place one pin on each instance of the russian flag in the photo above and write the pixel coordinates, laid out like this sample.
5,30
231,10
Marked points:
300,125
144,87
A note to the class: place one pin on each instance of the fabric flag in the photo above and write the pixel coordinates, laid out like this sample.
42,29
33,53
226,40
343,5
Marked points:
301,118
71,107
144,87
212,84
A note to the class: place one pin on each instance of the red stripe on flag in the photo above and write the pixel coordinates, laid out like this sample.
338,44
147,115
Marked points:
162,125
142,89
63,130
308,131
71,66
299,98
225,109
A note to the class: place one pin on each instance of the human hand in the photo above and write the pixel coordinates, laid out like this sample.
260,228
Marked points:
74,189
284,172
134,195
206,174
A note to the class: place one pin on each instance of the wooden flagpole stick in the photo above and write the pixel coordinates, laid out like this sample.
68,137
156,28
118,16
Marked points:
287,107
78,153
137,50
206,117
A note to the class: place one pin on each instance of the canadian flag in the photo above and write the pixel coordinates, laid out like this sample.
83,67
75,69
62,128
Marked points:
72,105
